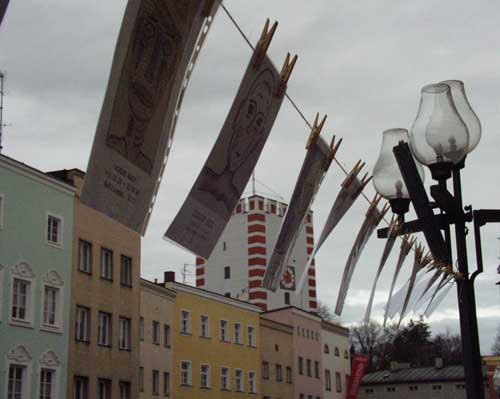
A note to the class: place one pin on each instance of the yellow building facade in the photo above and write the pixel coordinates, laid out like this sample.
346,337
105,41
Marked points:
216,341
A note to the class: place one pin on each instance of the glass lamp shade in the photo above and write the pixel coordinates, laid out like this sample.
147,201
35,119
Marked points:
438,135
387,178
466,112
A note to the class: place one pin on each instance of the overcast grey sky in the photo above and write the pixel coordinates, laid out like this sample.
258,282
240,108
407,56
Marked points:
362,63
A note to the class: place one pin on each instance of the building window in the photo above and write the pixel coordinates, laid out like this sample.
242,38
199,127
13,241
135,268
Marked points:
301,365
50,306
301,396
81,388
326,349
166,335
106,264
166,384
141,379
289,375
47,383
265,370
155,388
287,298
227,295
204,326
205,376
413,387
346,354
337,353
21,291
82,324
436,387
141,328
125,391
279,373
84,256
54,230
308,367
328,380
224,245
124,334
17,382
103,389
224,336
125,271
237,333
251,382
227,272
104,329
224,378
338,382
251,336
238,378
390,389
186,373
185,322
316,369
369,390
156,333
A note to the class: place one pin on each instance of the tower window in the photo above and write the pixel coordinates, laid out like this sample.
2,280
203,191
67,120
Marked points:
227,273
224,245
287,298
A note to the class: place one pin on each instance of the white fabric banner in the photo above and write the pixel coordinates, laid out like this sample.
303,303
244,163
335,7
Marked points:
157,45
3,9
437,301
220,184
306,187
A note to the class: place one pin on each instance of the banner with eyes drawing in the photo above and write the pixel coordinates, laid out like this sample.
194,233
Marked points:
158,43
202,218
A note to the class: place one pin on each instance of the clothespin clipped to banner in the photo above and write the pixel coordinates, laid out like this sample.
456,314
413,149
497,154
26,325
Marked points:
207,8
394,226
373,207
285,73
426,259
353,176
334,147
264,42
407,243
315,131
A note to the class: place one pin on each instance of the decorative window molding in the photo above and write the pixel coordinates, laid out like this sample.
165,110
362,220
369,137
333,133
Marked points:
53,278
52,302
48,374
19,355
49,359
22,286
23,270
20,360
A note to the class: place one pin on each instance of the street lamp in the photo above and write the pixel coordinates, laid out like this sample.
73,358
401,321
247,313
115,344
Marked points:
387,178
445,130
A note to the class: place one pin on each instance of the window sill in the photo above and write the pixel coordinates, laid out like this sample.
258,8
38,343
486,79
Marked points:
203,337
238,343
53,244
125,350
224,341
206,388
186,386
252,346
126,285
21,323
51,328
88,273
109,280
104,346
185,333
156,343
225,389
83,341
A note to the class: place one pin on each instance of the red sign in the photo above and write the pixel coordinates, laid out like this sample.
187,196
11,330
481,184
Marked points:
359,364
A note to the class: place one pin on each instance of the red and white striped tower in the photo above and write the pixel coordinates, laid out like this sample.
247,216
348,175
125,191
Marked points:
237,265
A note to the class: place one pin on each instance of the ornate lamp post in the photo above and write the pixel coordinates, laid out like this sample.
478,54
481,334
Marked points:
445,130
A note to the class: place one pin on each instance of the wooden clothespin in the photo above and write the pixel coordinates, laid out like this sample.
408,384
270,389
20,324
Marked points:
285,73
373,204
263,44
394,226
315,131
207,8
382,213
426,260
407,243
334,147
352,174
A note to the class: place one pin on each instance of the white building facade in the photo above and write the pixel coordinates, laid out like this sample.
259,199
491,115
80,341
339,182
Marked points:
237,265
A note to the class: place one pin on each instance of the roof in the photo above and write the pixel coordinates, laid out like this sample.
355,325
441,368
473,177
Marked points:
413,375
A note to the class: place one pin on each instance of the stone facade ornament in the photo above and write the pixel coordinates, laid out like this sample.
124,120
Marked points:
23,270
49,359
53,278
19,354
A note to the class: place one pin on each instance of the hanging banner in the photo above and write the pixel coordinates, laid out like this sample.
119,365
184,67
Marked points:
202,218
158,43
394,229
437,301
444,280
420,261
316,163
3,9
406,245
358,370
350,190
372,219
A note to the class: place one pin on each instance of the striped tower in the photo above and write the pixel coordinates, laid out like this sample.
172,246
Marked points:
237,265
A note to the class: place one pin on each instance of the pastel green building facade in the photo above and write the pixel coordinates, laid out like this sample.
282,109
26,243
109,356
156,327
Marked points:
36,225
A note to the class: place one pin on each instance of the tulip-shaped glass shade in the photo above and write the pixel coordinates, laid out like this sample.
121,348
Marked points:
387,178
438,135
466,112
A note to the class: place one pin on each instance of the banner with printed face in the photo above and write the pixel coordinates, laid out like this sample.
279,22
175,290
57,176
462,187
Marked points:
358,369
158,43
3,9
389,244
372,219
306,187
220,184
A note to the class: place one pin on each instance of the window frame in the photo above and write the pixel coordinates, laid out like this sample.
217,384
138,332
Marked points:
279,372
109,329
188,329
204,334
328,380
130,279
107,384
83,379
189,373
82,242
128,322
316,369
227,385
28,320
54,384
289,375
58,324
155,332
224,331
207,383
238,341
60,230
265,370
308,367
239,381
338,382
166,383
166,336
125,385
25,378
252,382
141,379
102,275
251,337
85,339
227,272
300,365
155,382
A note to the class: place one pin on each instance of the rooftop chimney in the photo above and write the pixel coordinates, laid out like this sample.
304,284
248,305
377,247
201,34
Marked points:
169,277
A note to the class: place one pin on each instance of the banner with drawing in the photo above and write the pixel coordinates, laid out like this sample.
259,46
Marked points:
157,45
